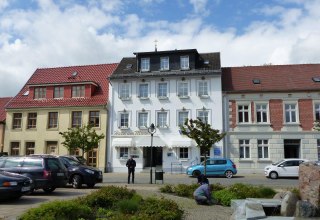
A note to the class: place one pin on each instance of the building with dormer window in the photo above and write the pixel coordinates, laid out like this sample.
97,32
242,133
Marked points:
163,88
53,100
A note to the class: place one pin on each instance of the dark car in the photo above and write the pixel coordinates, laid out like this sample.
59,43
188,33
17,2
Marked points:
78,158
13,186
47,172
79,174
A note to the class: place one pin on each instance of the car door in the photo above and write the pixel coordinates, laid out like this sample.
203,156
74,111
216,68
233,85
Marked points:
210,167
220,166
287,168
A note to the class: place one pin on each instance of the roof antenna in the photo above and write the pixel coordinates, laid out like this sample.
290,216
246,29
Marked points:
155,45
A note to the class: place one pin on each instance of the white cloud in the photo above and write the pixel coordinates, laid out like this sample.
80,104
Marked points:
200,7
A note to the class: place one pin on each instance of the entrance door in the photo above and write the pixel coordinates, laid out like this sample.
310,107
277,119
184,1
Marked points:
156,156
291,148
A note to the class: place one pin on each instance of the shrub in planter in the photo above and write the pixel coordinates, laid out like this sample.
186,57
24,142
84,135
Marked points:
185,190
224,197
58,210
168,188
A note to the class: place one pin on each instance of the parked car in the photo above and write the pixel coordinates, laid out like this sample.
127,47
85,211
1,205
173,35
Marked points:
13,186
79,173
215,167
78,158
284,168
47,172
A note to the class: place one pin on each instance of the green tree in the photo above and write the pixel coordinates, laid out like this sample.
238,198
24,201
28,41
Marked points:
203,135
316,125
84,137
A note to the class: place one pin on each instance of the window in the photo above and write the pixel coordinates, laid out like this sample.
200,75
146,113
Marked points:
76,119
183,89
53,120
92,158
317,111
183,153
17,119
162,90
203,115
124,91
32,120
143,90
58,92
164,63
142,120
203,89
78,91
182,116
244,149
15,148
243,113
94,118
30,148
124,120
290,113
40,93
184,62
123,153
145,64
263,149
318,146
262,113
162,119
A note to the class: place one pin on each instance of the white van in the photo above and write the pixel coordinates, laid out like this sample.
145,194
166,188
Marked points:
284,168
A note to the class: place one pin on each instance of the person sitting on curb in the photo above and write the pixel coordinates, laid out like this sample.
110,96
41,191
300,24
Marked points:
202,194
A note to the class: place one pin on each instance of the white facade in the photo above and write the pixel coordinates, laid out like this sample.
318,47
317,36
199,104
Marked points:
171,150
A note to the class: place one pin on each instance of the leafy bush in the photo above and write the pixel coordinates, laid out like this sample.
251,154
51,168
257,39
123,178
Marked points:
185,190
158,209
168,188
58,210
128,206
224,197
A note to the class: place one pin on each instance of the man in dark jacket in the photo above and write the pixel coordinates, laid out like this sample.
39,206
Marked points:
131,164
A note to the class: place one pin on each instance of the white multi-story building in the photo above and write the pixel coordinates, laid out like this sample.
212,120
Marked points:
162,88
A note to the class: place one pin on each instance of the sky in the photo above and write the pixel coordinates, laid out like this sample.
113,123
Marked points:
56,33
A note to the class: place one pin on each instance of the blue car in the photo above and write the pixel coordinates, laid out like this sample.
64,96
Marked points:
215,167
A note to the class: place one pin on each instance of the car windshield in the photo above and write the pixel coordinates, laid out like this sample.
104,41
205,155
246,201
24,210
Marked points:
72,161
277,163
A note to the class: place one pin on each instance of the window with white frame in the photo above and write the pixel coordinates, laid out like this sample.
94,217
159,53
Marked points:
262,113
76,119
244,149
142,119
143,90
162,119
263,149
290,110
183,89
183,153
145,64
123,152
58,92
317,111
184,62
243,113
163,90
40,93
203,88
124,91
164,63
124,120
78,91
203,115
182,116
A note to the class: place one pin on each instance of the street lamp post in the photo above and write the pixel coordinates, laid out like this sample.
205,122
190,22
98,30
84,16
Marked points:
151,130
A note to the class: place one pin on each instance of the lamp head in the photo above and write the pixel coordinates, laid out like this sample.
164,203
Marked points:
152,129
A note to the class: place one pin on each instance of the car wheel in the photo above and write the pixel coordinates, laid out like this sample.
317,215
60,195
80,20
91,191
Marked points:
273,175
90,185
76,181
49,189
196,173
228,174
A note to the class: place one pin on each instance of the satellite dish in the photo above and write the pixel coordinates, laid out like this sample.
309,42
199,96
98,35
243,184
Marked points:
74,74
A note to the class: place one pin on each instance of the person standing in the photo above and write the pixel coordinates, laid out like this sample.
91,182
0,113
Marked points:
131,164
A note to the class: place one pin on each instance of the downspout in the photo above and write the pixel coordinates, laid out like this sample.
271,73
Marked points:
225,113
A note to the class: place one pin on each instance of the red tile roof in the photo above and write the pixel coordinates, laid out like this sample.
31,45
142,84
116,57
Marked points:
97,74
273,78
3,102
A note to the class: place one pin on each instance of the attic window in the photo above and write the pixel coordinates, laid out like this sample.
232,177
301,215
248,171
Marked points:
316,79
26,93
256,81
129,66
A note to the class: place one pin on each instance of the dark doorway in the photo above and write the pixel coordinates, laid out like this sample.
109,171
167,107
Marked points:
156,156
291,148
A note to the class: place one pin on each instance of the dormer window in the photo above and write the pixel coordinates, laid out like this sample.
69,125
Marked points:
78,91
145,64
40,93
164,63
58,92
184,62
